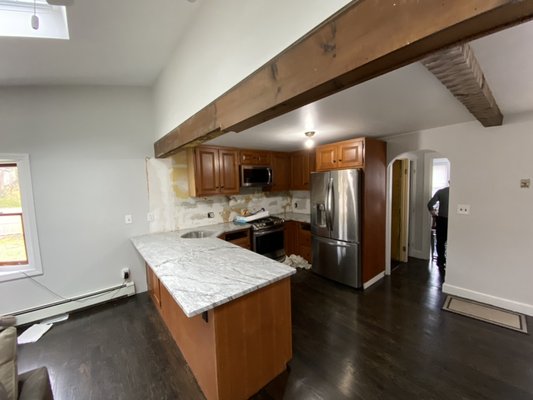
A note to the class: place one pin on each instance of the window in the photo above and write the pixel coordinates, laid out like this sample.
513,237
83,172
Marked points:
19,248
16,19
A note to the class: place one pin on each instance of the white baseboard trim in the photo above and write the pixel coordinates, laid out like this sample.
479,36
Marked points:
488,299
375,279
75,303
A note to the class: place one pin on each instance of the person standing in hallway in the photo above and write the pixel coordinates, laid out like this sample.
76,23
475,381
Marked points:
441,196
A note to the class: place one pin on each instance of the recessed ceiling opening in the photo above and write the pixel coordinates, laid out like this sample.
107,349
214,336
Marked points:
16,19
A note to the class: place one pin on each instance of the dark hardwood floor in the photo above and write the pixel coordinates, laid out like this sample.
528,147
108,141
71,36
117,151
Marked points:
389,342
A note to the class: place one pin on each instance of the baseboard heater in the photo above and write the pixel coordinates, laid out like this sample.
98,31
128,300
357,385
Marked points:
74,303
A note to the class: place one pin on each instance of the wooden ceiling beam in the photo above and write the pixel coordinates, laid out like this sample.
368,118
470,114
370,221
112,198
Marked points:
457,69
366,39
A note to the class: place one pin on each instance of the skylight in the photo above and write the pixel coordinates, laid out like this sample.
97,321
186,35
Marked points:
16,19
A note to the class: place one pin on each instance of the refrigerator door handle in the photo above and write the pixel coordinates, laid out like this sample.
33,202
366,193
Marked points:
329,196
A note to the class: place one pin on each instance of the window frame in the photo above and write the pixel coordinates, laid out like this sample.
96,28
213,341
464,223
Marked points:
33,266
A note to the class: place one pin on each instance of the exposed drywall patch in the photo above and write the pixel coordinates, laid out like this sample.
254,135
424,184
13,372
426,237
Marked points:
175,209
180,175
160,194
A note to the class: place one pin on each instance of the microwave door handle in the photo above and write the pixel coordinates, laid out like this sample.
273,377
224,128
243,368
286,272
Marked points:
269,176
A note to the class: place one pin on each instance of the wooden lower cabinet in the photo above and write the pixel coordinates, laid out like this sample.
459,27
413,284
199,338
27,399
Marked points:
298,239
304,240
237,348
240,238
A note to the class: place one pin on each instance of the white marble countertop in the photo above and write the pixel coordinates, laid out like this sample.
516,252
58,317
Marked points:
290,216
201,274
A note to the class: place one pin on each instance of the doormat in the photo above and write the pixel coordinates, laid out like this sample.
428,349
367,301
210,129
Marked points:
487,313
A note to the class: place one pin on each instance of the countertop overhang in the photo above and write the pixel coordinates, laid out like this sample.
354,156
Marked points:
201,274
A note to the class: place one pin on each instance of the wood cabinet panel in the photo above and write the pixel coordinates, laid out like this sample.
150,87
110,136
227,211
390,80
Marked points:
281,176
304,241
253,340
350,154
206,170
240,238
347,154
213,170
255,157
154,286
302,164
236,348
228,171
291,232
326,157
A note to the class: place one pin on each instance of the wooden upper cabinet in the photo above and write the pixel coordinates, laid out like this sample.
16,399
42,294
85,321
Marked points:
215,171
302,164
350,154
229,171
255,157
346,154
281,166
326,157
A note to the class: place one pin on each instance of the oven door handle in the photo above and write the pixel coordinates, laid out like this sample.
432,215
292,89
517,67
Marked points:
267,231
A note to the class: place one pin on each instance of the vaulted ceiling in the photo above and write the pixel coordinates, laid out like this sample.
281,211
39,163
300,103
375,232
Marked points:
128,43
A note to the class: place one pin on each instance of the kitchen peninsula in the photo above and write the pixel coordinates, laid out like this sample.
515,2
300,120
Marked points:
227,308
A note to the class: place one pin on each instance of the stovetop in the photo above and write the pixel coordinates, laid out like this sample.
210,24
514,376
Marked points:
265,223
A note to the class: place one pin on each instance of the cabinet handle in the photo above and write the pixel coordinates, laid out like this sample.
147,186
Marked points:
334,161
221,187
340,160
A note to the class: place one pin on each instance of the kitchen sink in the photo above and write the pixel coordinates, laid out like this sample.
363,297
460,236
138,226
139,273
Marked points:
197,234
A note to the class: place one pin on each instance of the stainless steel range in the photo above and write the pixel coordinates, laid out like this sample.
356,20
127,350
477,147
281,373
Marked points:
268,237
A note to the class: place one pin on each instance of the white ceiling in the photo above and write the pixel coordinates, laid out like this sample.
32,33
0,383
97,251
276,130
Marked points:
405,100
112,42
124,42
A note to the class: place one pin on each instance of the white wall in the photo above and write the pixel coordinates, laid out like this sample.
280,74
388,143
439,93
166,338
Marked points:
87,148
227,41
489,251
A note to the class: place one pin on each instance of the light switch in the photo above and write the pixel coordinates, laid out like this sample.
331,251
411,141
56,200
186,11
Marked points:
128,219
463,209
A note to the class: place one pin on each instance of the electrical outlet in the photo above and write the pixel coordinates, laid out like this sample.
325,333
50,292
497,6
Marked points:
211,215
125,273
150,217
463,209
128,219
525,183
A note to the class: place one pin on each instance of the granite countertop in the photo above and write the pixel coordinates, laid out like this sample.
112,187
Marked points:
201,274
290,216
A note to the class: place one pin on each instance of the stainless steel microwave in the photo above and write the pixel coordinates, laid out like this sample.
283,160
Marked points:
253,175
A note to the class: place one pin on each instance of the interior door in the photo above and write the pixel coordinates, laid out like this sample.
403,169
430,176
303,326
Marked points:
400,210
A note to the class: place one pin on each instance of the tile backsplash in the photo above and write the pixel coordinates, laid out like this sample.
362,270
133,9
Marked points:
174,209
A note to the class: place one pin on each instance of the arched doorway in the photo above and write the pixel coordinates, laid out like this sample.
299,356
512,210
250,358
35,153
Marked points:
411,181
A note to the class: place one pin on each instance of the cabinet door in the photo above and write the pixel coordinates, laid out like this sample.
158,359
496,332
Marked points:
291,239
304,241
206,171
326,157
229,171
281,176
302,163
255,157
351,154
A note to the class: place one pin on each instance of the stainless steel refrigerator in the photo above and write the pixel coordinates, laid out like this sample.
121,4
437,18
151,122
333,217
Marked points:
336,225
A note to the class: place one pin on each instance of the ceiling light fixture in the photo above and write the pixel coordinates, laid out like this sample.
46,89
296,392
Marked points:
309,142
34,17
